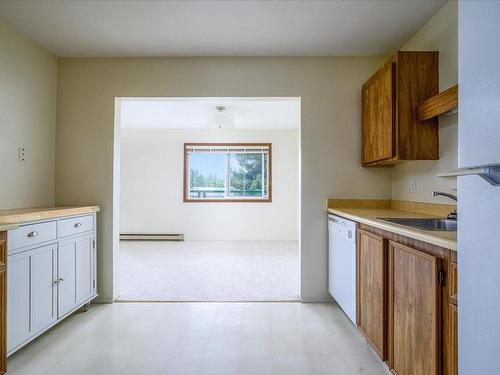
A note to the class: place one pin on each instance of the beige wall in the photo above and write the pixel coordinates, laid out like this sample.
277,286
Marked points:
330,134
86,91
151,188
28,76
439,34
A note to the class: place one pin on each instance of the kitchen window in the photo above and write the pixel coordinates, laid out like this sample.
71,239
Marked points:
232,172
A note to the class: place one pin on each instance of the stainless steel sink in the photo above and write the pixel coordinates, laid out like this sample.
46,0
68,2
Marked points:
424,224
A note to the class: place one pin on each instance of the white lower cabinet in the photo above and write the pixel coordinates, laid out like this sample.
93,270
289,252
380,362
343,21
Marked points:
84,278
66,286
47,283
18,296
75,273
43,292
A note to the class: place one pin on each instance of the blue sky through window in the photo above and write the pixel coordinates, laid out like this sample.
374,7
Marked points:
208,163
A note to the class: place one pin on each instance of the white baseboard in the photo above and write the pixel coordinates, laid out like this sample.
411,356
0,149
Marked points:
103,300
317,300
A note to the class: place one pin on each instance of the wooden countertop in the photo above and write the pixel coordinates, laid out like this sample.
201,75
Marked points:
369,216
12,218
4,227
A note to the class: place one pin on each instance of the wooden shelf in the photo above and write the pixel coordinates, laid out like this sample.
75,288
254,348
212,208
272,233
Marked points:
461,172
438,104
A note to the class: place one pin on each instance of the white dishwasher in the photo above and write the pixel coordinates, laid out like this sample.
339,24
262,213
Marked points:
342,263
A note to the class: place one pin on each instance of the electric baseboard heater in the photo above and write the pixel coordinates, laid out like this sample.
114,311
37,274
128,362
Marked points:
152,236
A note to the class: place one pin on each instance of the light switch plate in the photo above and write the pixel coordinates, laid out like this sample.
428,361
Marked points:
413,185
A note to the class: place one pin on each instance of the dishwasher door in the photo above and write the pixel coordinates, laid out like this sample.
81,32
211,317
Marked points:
342,264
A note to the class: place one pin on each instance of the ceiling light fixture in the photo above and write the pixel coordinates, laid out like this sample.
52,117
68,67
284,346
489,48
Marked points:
221,119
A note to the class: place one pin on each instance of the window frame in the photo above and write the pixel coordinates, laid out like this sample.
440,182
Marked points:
267,199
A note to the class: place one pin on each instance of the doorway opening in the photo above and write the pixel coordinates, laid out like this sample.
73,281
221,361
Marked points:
208,191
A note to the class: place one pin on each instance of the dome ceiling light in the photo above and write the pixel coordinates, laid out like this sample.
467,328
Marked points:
221,119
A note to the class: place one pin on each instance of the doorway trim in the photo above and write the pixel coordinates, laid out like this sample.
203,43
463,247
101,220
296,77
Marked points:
117,165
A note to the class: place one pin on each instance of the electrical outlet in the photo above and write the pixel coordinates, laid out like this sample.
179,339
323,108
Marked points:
21,154
413,185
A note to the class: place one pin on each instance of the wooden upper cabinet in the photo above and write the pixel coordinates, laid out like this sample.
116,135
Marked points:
414,311
391,130
378,110
372,290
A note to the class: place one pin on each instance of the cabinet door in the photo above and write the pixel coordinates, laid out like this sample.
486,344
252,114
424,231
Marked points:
3,301
66,286
414,314
18,297
378,115
453,339
84,269
43,290
372,287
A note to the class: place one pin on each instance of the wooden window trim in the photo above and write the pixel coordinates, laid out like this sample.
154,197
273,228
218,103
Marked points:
269,197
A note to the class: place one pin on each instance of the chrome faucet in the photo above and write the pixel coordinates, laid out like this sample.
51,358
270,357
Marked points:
451,196
451,215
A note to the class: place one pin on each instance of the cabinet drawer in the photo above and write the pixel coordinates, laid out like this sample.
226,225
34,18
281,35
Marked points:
31,234
75,225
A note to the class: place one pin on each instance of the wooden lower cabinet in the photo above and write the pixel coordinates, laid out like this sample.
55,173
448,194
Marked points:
453,339
3,302
372,290
406,302
414,311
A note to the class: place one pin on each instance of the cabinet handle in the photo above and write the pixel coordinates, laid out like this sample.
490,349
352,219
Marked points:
60,280
56,282
78,225
32,234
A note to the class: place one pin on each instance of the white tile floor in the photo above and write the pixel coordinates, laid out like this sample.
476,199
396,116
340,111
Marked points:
200,338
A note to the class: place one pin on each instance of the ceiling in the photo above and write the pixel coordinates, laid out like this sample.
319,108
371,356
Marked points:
198,113
219,28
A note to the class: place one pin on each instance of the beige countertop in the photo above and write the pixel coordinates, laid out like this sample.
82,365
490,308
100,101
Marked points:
369,216
12,218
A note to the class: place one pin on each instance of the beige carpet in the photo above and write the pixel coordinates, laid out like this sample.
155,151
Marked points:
209,271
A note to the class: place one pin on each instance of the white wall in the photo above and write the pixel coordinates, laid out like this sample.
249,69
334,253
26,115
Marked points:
152,188
439,34
28,76
330,134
